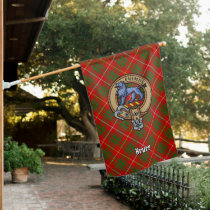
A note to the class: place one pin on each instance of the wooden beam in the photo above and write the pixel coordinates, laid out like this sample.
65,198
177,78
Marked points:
187,160
1,102
24,21
188,140
209,142
192,152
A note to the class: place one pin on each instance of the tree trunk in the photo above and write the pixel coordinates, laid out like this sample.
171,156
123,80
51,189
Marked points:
83,124
92,134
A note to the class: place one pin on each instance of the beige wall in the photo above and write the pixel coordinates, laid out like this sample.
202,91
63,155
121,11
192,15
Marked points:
63,129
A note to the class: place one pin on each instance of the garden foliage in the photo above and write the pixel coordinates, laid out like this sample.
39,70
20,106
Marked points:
140,198
78,30
18,156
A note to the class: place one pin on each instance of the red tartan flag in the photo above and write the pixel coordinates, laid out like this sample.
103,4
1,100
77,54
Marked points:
128,100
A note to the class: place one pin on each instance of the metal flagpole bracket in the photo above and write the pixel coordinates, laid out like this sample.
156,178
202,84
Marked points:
162,44
7,85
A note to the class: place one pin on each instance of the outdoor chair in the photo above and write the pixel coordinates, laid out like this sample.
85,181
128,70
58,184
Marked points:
73,150
88,151
68,148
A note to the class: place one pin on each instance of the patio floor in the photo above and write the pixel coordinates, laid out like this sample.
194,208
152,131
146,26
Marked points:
64,185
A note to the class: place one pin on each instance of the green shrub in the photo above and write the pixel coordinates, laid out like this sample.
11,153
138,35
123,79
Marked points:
139,198
16,156
199,183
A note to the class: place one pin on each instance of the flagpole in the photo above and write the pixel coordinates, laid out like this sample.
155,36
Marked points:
7,85
51,73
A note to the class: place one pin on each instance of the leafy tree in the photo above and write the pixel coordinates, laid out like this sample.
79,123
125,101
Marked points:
80,30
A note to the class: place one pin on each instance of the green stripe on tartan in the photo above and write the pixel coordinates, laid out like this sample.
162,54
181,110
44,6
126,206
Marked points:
130,149
164,109
173,154
106,154
145,156
121,164
103,91
111,75
111,174
98,67
162,148
145,54
141,133
151,141
136,69
155,161
122,61
150,76
95,104
101,129
133,170
115,140
125,124
168,133
154,101
156,62
157,125
160,86
89,81
108,115
147,117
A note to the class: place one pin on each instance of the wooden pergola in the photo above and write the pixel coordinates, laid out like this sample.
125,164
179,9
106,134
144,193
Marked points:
20,24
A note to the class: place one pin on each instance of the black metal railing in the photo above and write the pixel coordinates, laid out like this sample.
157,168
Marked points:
159,183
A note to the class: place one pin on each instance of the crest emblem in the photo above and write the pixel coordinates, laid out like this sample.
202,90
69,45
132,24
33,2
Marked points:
130,98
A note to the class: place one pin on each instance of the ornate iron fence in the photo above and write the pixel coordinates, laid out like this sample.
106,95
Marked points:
159,183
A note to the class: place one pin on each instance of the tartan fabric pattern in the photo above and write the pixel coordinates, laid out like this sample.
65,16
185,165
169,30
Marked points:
118,139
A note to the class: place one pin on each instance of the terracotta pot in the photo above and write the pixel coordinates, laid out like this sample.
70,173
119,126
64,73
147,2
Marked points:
20,175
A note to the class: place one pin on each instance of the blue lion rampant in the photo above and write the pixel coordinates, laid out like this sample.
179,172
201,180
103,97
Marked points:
123,92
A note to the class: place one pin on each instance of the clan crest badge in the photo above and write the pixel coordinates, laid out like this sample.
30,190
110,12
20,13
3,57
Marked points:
130,98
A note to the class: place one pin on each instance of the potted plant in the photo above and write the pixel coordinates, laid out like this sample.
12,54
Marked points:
19,159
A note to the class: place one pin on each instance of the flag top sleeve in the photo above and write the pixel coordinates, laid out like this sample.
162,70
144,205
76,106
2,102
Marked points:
128,100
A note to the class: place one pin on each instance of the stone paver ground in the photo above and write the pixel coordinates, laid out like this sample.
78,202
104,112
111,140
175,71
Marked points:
64,185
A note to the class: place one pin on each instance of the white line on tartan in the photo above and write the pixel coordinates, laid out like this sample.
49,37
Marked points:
161,99
146,64
161,139
116,119
133,57
102,76
156,107
141,62
109,85
152,110
147,136
150,61
123,134
96,76
167,121
106,165
109,132
120,69
119,131
170,148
